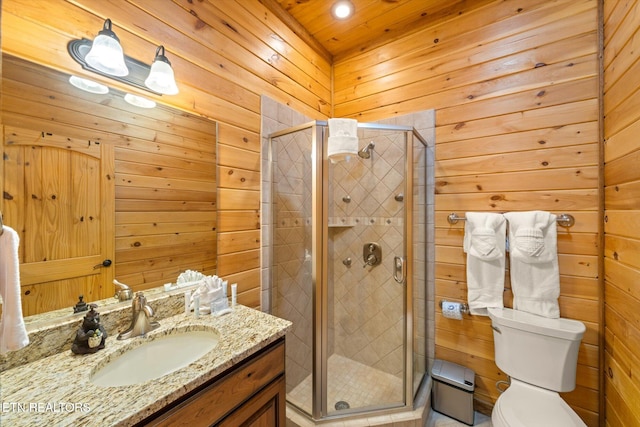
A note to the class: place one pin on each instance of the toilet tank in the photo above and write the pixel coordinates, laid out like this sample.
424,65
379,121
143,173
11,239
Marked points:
535,349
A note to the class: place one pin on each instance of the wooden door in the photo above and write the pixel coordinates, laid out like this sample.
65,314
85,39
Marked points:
58,194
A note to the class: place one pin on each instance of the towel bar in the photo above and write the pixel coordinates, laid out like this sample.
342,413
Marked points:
563,219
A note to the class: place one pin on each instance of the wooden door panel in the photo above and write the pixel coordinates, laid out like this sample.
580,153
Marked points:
47,296
32,273
60,200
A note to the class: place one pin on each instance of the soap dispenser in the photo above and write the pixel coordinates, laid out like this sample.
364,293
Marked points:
91,335
81,305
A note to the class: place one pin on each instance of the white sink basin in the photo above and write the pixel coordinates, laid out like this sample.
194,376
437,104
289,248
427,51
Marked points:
156,358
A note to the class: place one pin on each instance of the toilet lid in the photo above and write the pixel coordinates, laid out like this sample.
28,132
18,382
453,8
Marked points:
523,405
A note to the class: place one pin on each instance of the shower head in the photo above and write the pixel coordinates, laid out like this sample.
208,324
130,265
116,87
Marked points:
365,153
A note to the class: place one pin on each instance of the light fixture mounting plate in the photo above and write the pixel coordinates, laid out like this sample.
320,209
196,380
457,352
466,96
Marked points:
138,71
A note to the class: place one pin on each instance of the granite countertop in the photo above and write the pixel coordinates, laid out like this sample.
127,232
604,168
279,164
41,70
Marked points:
57,390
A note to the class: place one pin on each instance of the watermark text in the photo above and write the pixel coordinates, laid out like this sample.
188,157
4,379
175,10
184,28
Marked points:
44,407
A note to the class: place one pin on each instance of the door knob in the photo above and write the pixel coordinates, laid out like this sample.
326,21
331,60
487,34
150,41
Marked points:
105,263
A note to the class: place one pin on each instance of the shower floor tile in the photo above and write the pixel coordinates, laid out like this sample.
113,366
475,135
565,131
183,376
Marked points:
349,381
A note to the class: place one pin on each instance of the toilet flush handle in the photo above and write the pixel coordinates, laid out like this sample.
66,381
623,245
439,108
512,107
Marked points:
502,383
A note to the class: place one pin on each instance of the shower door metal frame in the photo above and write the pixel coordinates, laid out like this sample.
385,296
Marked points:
319,263
320,270
408,267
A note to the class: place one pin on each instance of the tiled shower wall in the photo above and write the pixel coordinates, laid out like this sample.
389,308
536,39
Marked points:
365,300
288,292
368,321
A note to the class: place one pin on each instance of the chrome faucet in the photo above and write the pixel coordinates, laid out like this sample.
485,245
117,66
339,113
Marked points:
140,323
124,293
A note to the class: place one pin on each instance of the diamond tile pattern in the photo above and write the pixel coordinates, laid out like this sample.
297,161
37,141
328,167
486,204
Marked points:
292,244
366,323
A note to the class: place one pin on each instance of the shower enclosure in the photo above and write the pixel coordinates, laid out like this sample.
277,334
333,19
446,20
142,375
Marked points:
348,268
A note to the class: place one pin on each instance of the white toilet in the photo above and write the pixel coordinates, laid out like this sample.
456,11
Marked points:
540,355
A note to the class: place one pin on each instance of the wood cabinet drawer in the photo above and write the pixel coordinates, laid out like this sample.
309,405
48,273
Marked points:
223,395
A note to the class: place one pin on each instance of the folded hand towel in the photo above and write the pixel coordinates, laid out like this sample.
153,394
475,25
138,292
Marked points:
13,334
484,243
341,147
535,277
343,139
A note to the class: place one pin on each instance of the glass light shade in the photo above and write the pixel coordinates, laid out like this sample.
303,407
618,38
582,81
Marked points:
106,54
161,78
139,101
88,85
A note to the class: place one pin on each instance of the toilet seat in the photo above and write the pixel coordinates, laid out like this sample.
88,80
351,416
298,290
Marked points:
524,405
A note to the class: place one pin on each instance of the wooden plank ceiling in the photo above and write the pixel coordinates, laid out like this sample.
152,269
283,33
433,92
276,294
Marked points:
374,22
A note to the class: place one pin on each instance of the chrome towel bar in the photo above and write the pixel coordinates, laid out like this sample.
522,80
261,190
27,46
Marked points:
563,219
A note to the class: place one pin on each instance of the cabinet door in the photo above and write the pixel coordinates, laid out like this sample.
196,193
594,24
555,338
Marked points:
232,393
266,409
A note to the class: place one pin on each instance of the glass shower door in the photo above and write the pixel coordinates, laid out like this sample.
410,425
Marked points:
358,340
293,282
366,307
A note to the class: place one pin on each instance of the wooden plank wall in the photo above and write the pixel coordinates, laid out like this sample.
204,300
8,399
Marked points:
165,181
225,55
515,88
622,212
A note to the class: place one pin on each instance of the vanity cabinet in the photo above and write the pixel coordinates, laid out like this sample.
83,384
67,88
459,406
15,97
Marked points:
252,393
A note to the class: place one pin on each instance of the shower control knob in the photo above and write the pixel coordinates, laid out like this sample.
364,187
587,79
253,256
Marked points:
371,260
371,254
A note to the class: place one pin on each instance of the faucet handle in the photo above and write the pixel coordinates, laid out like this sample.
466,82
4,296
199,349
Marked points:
124,293
120,284
371,260
140,323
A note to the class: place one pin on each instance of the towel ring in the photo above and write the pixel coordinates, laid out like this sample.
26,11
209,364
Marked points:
563,219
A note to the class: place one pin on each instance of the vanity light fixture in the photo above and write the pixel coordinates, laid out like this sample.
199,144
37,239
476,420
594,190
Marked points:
342,9
106,54
161,77
93,56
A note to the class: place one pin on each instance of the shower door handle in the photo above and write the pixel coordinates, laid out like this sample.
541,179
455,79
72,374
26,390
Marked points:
399,270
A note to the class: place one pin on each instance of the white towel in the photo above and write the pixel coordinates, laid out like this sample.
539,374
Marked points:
343,139
484,243
533,254
13,334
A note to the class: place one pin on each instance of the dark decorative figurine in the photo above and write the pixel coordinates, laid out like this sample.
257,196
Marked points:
91,335
81,305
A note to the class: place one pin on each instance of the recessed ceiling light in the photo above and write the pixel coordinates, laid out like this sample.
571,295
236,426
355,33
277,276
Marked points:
88,85
139,101
342,9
